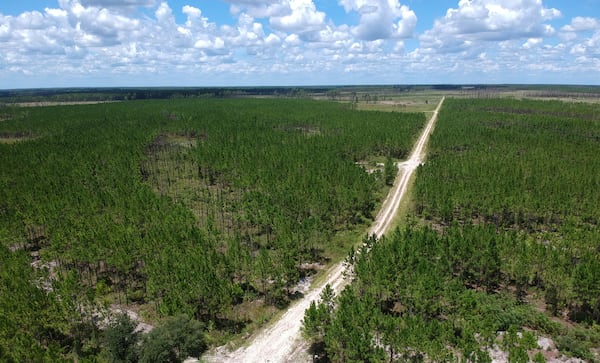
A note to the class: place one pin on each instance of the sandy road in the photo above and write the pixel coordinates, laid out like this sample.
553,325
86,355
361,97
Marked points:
405,171
281,341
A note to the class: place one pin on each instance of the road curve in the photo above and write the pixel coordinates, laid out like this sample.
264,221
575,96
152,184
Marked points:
281,341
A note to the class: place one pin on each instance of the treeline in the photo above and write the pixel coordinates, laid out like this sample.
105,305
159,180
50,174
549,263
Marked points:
508,197
123,94
181,207
129,93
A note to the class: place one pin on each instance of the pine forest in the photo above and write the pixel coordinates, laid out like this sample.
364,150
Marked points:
502,246
202,216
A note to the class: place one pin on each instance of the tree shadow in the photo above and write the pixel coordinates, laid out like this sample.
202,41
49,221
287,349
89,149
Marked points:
318,353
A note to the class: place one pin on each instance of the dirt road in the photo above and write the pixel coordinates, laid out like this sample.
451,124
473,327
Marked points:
281,341
405,171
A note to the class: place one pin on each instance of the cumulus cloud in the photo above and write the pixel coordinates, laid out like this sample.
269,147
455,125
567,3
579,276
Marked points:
5,32
272,40
260,8
110,37
247,34
117,3
95,37
286,16
30,20
532,42
381,19
291,38
476,21
164,14
302,17
588,48
126,7
583,37
579,24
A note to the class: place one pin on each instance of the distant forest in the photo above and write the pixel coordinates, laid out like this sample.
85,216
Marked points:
132,93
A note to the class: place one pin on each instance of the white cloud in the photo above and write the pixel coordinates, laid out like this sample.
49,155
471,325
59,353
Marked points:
589,47
399,47
164,14
127,7
294,39
93,25
303,17
30,20
579,24
583,36
532,42
578,49
102,38
381,19
247,34
117,3
260,8
78,38
192,12
5,32
210,44
477,21
272,40
334,37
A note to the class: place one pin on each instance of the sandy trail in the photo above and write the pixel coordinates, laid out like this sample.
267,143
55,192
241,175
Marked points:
405,171
281,341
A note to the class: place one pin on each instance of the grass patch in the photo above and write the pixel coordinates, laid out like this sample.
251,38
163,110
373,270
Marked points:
423,103
15,137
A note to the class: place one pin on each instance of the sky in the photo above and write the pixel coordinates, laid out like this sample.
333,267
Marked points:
198,43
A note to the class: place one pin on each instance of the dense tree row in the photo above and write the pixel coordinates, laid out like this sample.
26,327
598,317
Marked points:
179,206
510,195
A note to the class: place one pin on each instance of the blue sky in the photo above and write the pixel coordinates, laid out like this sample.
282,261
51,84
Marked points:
62,43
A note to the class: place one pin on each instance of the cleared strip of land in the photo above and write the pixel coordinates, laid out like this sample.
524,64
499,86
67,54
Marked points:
281,341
